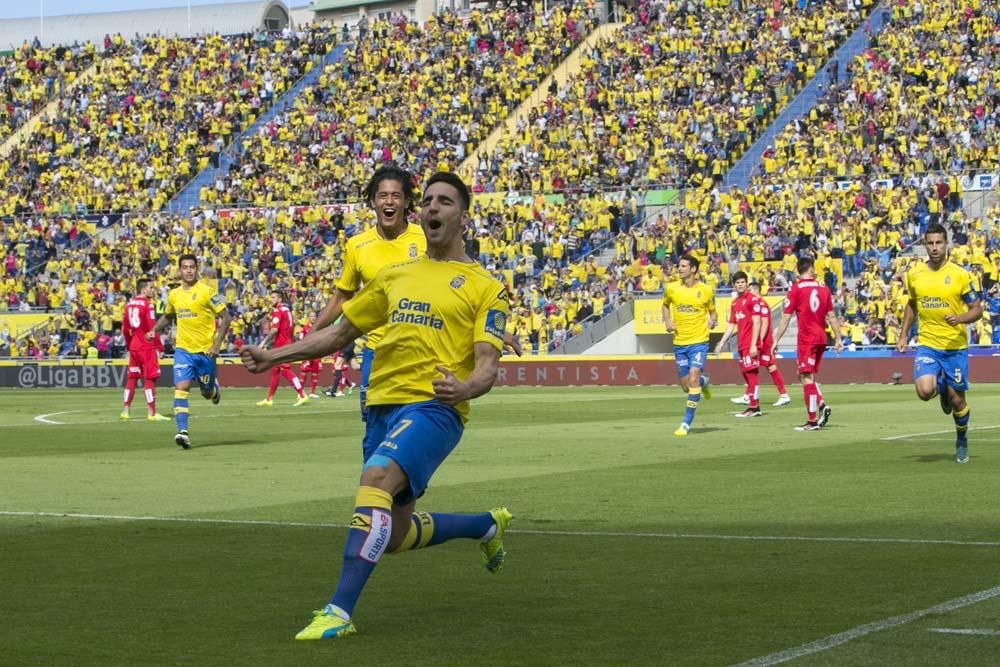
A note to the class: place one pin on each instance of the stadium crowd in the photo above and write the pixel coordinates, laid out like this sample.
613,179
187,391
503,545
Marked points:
673,98
896,105
30,76
419,96
156,111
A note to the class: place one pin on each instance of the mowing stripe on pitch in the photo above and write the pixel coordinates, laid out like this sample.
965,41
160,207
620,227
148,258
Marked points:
982,632
555,533
841,638
952,431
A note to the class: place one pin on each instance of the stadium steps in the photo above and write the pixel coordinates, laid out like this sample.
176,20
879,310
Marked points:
26,130
739,176
190,195
561,74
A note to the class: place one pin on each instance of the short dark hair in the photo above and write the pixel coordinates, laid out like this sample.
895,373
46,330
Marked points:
690,259
180,260
391,172
804,264
454,181
936,228
740,275
140,283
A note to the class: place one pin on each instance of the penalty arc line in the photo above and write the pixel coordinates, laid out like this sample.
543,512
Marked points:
917,435
556,533
841,638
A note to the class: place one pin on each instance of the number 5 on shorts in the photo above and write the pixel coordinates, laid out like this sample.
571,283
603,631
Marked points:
958,376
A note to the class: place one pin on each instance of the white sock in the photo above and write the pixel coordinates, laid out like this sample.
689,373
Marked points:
337,611
490,534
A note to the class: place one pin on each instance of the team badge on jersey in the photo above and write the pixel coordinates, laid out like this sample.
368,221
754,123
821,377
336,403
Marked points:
413,250
947,280
457,281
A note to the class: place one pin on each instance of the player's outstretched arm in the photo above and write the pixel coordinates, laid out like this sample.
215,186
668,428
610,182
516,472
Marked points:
451,391
316,346
331,311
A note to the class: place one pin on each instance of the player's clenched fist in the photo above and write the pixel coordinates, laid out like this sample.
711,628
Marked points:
448,389
255,359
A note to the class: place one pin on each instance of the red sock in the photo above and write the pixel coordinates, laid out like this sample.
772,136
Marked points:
779,381
293,379
150,397
314,383
130,391
275,379
809,393
753,387
343,379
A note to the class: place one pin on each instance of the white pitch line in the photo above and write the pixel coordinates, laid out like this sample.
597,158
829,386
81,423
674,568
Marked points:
43,419
967,631
841,638
917,435
557,533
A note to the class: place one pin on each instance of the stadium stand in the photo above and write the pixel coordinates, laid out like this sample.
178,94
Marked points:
156,111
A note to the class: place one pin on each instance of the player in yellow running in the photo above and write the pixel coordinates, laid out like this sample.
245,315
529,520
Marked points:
944,301
195,305
689,313
392,239
444,317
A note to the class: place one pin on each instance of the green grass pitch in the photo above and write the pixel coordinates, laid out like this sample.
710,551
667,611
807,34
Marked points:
629,546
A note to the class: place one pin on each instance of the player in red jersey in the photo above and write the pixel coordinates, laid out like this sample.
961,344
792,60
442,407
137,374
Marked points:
812,305
138,319
768,351
312,368
745,319
282,333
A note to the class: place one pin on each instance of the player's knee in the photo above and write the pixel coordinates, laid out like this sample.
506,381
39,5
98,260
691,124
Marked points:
926,393
383,473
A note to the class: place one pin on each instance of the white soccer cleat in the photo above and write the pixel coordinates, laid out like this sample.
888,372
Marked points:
313,395
741,400
782,400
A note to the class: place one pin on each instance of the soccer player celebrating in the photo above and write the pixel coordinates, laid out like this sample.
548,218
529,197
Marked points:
281,334
143,358
195,305
943,299
310,368
812,304
768,355
745,318
392,239
689,313
446,318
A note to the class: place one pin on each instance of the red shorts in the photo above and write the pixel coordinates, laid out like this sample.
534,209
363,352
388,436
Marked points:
311,366
748,363
280,368
143,364
809,357
765,356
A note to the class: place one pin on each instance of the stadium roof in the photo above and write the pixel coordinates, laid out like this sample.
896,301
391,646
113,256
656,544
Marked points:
228,18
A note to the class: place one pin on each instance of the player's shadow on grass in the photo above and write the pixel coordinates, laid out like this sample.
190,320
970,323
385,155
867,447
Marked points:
931,458
709,429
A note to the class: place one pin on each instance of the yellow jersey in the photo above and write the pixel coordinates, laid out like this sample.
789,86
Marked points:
432,313
195,309
368,253
935,294
689,308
